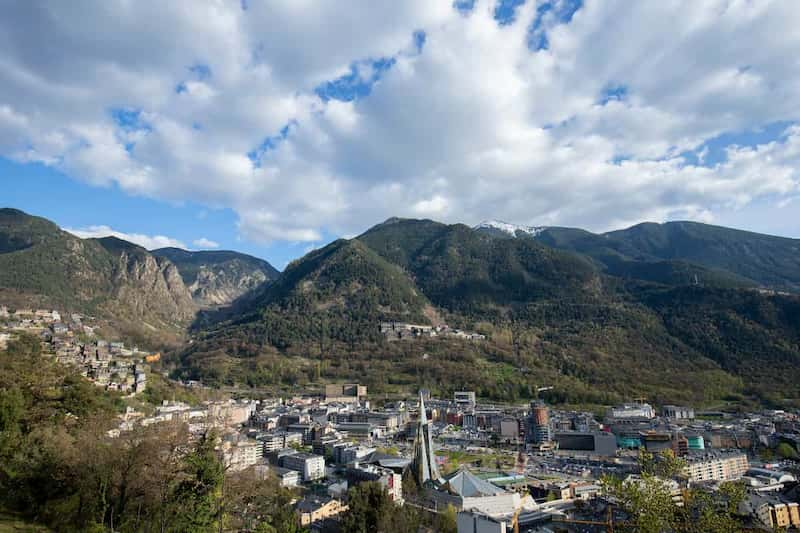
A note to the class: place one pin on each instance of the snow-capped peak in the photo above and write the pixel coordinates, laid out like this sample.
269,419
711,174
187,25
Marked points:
511,229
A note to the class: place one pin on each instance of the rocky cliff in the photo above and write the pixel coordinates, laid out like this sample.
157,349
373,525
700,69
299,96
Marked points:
217,278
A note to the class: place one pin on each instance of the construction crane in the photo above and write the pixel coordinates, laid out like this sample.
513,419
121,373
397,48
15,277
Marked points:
515,519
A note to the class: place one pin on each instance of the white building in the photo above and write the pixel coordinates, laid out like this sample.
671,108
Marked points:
676,412
765,480
633,411
472,522
391,481
350,454
312,467
288,478
242,455
717,466
465,399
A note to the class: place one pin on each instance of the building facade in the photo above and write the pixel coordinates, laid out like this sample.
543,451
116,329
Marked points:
717,466
311,467
539,429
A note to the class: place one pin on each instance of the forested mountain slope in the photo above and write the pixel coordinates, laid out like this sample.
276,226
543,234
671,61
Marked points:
716,255
551,316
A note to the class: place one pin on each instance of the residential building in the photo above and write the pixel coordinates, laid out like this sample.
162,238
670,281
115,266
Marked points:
306,430
316,508
347,393
680,445
325,445
288,478
717,466
772,511
230,413
676,412
465,399
242,454
312,467
540,431
390,480
673,486
632,411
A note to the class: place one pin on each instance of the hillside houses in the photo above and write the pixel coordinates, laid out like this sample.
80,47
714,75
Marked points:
72,342
396,331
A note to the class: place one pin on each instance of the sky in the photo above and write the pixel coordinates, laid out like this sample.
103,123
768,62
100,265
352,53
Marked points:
272,127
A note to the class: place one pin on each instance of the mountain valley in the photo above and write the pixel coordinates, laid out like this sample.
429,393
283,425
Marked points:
673,312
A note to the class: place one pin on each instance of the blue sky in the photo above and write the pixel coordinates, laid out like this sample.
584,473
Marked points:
274,127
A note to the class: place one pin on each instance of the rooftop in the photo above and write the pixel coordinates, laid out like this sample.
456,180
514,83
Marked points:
468,485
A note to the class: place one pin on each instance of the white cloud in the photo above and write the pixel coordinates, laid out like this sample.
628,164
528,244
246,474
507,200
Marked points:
205,244
150,242
436,206
475,126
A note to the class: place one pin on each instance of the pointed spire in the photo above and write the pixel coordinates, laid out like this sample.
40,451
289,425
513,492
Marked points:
424,459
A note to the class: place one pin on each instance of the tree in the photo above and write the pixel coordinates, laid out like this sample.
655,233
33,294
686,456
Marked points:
785,451
446,521
197,496
369,510
665,464
649,499
706,513
259,503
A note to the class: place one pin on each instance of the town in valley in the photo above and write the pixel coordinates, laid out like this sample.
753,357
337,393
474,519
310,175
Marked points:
531,466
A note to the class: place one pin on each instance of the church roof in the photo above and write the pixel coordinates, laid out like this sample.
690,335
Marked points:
468,485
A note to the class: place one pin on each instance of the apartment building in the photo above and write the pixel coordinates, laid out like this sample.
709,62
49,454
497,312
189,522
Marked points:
311,466
717,466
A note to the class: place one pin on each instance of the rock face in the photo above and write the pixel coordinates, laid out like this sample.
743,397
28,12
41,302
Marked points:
218,278
151,287
221,286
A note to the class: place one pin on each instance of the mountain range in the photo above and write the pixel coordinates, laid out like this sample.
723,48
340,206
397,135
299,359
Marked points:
141,294
675,312
648,311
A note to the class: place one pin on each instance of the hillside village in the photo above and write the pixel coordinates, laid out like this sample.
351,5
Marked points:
71,339
395,331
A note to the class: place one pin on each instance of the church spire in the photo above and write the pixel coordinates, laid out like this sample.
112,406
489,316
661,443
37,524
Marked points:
424,464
